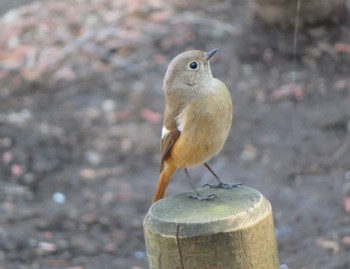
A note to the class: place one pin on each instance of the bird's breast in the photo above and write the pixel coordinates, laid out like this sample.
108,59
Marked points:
204,124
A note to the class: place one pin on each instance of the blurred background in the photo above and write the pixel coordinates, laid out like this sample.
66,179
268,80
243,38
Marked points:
81,106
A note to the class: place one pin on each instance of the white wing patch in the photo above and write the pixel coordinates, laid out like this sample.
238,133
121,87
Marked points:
179,125
180,122
165,131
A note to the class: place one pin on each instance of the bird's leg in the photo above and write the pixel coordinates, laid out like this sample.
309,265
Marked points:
221,184
196,194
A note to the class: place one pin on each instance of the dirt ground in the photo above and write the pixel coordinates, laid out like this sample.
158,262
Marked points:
81,107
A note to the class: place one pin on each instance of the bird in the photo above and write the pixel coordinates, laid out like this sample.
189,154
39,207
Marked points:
197,119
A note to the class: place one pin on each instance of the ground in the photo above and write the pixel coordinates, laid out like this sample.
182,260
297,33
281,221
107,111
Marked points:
81,107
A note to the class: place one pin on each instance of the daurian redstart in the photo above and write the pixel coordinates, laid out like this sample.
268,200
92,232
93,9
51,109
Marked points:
197,117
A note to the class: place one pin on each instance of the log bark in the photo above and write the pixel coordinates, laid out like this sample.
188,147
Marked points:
235,230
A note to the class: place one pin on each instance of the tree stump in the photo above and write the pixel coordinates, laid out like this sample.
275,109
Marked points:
235,230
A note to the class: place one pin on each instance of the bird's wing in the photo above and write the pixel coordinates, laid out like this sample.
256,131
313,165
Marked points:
170,133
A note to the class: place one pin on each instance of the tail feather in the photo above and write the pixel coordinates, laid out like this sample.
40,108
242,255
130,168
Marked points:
164,178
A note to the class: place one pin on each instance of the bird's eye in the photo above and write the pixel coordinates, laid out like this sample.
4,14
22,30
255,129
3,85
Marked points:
193,66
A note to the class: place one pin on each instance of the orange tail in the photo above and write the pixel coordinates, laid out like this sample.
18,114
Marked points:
164,178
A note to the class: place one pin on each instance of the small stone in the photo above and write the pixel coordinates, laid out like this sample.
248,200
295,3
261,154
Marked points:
108,105
19,118
139,255
45,248
93,157
59,198
347,175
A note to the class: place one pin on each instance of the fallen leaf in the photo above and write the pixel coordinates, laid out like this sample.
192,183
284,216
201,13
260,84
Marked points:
342,47
342,84
287,91
150,115
16,170
328,245
346,240
346,204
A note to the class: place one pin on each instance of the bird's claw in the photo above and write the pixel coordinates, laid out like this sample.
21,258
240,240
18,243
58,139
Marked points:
197,196
224,185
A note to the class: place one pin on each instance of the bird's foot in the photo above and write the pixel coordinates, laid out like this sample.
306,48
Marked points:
197,196
224,185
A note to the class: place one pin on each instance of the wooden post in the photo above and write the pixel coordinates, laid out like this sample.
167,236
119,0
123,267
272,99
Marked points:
234,230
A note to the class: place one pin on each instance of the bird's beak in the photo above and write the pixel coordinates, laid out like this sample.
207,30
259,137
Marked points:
210,53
